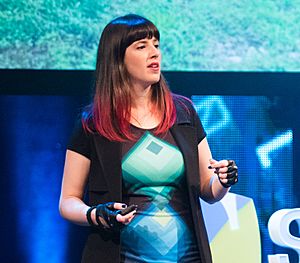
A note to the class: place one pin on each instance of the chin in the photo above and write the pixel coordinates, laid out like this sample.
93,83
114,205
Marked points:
155,80
151,81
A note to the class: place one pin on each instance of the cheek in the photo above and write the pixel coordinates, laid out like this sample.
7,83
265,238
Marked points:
133,63
131,67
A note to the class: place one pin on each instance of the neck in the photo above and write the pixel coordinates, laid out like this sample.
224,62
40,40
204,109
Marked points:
142,113
141,98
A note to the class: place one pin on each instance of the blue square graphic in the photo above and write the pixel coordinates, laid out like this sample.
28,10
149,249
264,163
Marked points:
154,148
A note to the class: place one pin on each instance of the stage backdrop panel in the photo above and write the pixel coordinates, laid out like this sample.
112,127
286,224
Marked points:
195,35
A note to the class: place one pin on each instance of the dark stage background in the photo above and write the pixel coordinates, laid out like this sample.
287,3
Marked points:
243,113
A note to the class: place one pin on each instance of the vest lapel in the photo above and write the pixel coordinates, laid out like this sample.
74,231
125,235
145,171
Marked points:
185,137
109,156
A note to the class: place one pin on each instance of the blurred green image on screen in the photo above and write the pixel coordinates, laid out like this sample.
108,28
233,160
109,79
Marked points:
195,35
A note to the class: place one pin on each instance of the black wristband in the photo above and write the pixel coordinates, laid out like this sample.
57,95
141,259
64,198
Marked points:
89,217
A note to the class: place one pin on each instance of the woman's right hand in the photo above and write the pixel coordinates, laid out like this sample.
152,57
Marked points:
109,215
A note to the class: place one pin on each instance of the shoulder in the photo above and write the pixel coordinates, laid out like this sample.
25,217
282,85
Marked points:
80,133
188,116
185,110
182,102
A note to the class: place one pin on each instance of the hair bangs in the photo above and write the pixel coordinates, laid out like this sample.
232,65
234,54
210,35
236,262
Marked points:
137,28
131,28
142,31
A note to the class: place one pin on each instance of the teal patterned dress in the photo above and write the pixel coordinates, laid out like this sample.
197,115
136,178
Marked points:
154,179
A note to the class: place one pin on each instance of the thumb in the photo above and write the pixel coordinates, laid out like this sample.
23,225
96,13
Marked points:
212,163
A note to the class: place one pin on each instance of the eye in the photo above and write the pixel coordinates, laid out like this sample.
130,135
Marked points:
156,45
141,47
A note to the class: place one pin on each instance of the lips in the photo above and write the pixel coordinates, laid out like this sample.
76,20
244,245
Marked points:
154,65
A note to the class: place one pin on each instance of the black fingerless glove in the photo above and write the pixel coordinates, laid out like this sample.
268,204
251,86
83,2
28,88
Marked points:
105,216
232,174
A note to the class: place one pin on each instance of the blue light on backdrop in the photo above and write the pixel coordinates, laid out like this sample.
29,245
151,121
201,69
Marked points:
265,150
37,131
245,129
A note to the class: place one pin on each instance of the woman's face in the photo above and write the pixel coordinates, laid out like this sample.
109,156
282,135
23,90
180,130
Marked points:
142,61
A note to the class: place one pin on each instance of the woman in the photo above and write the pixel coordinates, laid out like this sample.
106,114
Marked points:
144,156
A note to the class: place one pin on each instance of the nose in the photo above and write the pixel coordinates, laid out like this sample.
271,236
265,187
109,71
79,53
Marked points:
155,52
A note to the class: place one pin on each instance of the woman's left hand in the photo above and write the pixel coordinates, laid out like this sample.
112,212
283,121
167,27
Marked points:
226,170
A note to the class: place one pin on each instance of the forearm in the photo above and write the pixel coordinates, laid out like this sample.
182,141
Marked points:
74,210
71,205
218,191
212,190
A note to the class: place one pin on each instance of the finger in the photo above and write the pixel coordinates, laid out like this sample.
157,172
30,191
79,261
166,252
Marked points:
222,175
231,162
129,220
224,163
227,174
221,170
229,169
232,174
232,180
218,164
130,217
119,206
125,219
223,180
212,163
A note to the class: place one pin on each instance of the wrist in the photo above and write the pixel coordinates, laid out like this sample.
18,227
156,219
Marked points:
91,216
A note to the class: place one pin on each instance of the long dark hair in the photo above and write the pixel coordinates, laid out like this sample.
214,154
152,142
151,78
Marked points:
109,114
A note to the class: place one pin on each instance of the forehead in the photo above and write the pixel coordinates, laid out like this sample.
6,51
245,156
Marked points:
146,40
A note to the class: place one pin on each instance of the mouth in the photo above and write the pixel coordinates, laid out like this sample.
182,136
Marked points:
154,66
